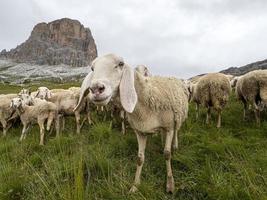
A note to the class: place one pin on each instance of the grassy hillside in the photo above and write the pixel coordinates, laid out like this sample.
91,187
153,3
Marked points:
229,163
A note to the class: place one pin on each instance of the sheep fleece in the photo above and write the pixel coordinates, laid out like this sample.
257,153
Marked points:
159,94
213,90
253,85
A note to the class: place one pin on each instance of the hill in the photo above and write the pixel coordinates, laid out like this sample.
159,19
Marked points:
63,41
237,71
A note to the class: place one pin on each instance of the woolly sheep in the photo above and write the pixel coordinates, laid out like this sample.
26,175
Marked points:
39,112
65,100
212,90
251,89
151,104
5,112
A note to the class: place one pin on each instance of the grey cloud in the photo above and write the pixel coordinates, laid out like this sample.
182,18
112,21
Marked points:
179,38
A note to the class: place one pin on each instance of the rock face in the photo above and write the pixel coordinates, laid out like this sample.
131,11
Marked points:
237,71
63,41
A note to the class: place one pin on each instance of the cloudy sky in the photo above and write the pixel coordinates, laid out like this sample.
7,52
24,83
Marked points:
172,37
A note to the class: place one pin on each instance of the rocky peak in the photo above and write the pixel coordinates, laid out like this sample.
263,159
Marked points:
63,41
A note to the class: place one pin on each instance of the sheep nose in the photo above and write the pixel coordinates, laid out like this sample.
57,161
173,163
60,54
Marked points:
97,88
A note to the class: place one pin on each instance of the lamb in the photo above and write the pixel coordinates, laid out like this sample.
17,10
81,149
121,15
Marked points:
151,104
39,112
212,90
65,100
251,89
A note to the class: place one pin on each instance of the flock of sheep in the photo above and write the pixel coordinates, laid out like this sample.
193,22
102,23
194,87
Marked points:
149,103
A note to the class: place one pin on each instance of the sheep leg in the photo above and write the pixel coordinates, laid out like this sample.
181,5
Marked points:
42,131
197,111
219,119
50,120
122,115
24,131
4,124
175,140
57,125
89,118
208,116
257,116
78,124
245,110
63,123
140,160
167,154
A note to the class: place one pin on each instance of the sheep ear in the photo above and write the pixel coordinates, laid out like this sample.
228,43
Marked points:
11,104
84,89
48,94
38,91
128,96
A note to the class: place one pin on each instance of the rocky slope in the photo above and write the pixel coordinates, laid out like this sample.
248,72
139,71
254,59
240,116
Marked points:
20,73
237,71
63,41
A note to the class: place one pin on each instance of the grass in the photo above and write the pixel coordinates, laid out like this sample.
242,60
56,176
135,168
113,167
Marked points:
211,163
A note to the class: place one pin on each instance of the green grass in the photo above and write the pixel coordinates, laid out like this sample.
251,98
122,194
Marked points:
211,163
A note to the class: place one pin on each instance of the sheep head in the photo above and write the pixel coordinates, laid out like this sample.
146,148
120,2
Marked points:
22,99
16,103
143,70
110,77
43,93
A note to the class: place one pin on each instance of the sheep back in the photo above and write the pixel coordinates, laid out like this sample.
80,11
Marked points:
164,94
213,90
254,86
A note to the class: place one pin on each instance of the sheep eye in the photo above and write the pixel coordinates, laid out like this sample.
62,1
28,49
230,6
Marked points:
92,68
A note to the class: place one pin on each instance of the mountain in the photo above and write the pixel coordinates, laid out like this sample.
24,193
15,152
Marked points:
237,71
63,41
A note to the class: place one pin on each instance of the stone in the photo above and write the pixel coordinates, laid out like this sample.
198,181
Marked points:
63,41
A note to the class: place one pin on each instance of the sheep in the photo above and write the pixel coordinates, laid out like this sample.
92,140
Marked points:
143,70
151,104
251,89
29,113
212,90
5,112
65,100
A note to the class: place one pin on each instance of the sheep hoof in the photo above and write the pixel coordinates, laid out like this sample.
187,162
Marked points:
170,185
133,189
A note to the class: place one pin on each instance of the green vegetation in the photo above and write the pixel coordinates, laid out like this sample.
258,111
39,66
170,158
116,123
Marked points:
211,163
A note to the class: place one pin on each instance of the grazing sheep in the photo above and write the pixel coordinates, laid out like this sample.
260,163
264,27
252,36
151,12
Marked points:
65,100
212,90
251,89
29,113
151,103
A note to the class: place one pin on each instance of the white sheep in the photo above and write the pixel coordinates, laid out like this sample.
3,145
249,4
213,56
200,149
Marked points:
65,100
151,103
29,113
212,90
6,113
251,89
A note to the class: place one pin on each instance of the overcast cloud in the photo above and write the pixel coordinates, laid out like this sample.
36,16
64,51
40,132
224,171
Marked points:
172,37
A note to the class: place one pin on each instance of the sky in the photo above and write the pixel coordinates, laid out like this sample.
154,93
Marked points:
179,38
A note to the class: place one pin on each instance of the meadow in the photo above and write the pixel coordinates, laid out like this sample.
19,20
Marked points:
100,163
